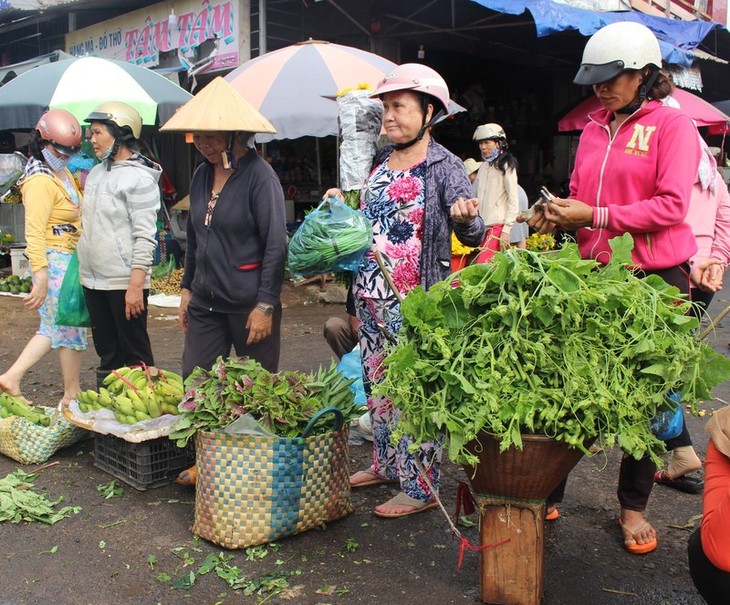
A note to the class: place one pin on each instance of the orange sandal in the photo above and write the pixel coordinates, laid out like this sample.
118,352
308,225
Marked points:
630,542
552,515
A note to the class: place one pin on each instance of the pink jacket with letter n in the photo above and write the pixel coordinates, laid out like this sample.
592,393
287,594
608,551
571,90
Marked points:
639,182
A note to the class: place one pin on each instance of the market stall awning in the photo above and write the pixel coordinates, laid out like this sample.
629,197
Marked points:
32,5
8,72
677,38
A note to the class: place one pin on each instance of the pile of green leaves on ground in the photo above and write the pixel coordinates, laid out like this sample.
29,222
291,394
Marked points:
18,502
547,343
282,402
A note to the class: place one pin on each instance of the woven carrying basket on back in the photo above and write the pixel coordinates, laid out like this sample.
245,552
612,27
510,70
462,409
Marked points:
29,443
252,489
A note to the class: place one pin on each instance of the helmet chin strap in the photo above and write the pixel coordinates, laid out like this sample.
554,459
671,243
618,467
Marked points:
426,125
648,82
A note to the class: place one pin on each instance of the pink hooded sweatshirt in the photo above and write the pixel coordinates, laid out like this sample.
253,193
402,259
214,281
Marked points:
709,213
640,182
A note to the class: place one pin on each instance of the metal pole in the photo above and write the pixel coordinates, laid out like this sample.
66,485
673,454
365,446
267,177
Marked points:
319,164
262,27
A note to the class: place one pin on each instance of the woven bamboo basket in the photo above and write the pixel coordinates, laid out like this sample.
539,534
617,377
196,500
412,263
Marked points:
29,443
529,474
252,489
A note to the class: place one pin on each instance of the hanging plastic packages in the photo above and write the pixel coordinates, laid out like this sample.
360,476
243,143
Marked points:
360,120
333,237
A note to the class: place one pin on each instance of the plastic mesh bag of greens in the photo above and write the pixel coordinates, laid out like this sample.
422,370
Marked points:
11,169
333,237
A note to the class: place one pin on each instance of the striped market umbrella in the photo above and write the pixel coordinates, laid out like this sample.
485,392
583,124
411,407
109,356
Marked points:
702,112
80,84
294,87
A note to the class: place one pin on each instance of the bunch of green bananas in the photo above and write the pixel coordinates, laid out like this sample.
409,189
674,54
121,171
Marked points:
135,394
14,406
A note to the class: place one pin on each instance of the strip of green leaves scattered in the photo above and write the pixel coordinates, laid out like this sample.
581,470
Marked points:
265,586
18,501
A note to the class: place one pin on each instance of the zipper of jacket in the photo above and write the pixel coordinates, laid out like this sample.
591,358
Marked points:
600,178
207,237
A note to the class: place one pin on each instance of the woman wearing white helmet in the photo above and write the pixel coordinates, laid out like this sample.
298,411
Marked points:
118,243
634,169
51,199
497,189
417,193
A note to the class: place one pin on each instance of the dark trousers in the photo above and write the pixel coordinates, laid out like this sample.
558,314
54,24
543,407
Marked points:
211,335
712,583
636,477
118,341
339,336
703,300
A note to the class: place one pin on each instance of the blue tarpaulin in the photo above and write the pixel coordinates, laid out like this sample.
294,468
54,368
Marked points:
675,37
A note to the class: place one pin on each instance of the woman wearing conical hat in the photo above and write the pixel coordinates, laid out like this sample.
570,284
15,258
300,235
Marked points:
236,235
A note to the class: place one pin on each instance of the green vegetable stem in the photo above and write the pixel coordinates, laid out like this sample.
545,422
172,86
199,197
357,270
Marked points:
551,344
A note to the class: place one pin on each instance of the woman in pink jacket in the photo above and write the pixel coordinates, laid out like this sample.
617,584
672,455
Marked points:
709,217
634,169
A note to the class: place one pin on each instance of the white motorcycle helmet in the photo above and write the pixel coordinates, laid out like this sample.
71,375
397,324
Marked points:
615,48
489,131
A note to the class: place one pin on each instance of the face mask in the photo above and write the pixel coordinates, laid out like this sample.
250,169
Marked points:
492,156
54,163
105,154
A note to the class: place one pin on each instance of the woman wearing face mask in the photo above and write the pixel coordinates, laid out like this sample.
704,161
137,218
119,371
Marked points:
117,248
634,168
52,227
497,189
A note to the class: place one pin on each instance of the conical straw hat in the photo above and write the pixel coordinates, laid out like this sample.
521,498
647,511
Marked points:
218,107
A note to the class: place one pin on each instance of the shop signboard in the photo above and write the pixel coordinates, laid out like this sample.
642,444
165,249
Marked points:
140,36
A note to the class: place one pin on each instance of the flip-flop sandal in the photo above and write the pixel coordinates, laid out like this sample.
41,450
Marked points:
417,506
375,479
630,536
685,483
553,515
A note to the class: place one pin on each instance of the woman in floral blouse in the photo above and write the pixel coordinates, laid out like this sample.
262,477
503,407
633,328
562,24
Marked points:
416,194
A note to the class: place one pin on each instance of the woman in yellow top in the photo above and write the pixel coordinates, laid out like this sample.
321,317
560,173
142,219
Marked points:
52,229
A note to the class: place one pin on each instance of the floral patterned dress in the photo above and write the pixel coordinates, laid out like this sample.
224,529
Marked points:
67,337
394,203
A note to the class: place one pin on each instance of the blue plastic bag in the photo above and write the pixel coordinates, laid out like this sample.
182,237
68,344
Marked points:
668,424
350,367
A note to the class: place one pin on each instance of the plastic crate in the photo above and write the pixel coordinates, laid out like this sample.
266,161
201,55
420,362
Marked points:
142,465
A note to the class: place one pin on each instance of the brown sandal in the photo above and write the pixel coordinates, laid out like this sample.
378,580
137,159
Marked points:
371,478
404,500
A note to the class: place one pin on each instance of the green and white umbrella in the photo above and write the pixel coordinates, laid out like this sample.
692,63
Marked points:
80,84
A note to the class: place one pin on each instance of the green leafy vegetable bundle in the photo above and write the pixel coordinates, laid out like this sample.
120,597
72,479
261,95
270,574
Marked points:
18,501
282,402
547,343
333,237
